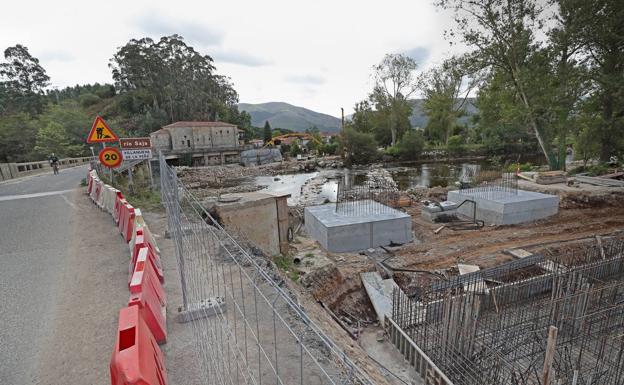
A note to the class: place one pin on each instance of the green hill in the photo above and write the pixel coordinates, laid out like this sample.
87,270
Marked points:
284,115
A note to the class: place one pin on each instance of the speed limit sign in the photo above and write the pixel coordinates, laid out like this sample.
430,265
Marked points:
110,157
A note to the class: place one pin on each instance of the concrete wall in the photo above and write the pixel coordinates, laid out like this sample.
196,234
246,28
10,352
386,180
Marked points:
161,140
256,217
16,170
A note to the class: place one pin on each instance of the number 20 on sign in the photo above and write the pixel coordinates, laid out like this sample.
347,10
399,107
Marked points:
110,157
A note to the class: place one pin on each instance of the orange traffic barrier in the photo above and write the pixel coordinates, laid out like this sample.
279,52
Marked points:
137,243
144,277
137,359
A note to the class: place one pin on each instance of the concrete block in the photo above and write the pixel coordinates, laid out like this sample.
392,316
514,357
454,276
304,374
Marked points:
341,233
508,209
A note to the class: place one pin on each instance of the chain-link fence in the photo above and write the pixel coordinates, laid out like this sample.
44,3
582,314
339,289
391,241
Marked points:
248,329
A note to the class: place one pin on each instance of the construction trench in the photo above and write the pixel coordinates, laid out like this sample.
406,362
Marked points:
536,302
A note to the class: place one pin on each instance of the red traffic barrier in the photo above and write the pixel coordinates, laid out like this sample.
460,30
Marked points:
152,256
145,278
89,183
152,312
137,359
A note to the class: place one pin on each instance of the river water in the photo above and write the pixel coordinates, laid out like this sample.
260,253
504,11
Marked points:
406,177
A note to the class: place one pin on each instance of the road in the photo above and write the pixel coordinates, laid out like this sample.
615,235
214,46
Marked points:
63,268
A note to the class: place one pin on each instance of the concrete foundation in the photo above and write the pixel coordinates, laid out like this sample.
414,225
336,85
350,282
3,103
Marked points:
507,209
341,233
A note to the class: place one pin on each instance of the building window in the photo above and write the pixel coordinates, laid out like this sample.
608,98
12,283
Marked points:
188,143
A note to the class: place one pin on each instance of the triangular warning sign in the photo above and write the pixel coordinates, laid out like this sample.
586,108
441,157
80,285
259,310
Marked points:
100,132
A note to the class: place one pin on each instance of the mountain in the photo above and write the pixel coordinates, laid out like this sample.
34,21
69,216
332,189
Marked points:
284,115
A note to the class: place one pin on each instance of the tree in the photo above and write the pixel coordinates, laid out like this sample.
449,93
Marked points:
17,137
446,89
53,138
600,33
395,82
361,147
503,34
23,80
268,135
411,145
171,76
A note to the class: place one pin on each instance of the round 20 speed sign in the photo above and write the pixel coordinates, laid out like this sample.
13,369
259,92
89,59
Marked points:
110,157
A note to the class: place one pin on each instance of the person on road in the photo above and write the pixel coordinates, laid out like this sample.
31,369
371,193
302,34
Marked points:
53,159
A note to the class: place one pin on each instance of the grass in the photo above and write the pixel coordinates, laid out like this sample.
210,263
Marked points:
285,263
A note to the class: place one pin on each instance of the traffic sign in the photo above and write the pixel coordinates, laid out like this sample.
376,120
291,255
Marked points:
137,153
135,143
110,157
100,132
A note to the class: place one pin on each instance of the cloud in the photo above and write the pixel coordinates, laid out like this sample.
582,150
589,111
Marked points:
237,57
157,25
56,55
308,79
420,54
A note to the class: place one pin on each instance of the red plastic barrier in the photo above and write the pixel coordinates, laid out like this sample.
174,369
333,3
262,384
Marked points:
151,311
98,190
152,256
145,278
137,359
126,221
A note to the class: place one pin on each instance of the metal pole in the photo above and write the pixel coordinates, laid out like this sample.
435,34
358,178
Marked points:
149,167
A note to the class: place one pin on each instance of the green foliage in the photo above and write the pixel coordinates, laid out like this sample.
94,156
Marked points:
89,99
455,145
361,147
587,144
593,170
53,139
17,137
22,81
513,167
282,262
295,150
411,145
329,149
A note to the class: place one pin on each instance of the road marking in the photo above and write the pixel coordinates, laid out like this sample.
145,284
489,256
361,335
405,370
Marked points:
36,195
73,206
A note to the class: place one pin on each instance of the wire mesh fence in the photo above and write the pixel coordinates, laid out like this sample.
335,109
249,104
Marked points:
248,329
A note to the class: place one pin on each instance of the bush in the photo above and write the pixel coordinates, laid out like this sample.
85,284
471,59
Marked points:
393,151
329,149
594,170
361,147
513,167
88,99
455,145
411,145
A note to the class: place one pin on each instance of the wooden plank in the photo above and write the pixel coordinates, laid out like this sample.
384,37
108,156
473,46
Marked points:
551,346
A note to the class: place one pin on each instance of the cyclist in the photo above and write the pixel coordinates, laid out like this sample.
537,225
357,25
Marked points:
53,159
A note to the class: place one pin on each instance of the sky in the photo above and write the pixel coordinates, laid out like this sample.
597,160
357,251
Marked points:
316,54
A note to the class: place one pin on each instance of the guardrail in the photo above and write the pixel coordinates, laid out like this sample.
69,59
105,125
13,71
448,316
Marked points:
16,170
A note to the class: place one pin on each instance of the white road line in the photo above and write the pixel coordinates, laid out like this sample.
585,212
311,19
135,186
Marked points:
36,195
73,206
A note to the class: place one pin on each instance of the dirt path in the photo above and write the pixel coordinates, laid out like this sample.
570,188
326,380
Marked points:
484,247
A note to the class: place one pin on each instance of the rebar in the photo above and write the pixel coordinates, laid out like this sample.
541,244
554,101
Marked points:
491,326
372,197
502,187
261,335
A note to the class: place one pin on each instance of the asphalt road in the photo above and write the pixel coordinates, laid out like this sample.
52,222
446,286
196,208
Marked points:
57,318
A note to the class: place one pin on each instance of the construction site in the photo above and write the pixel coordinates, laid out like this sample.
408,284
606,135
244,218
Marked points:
496,280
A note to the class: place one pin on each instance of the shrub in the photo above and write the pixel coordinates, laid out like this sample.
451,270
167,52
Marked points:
361,147
329,149
513,167
455,145
411,145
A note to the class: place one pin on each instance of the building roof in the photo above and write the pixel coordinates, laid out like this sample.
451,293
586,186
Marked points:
198,124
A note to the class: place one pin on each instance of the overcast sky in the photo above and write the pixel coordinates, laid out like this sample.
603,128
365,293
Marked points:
316,54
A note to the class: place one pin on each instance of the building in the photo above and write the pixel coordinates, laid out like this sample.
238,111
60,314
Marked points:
207,143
